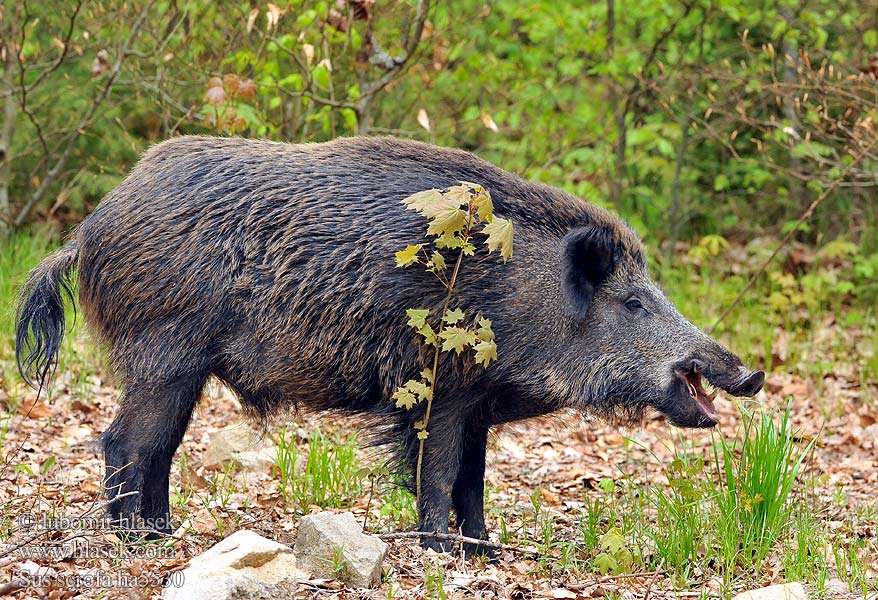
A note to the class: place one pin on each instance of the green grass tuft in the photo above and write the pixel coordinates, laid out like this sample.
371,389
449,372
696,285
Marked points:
326,475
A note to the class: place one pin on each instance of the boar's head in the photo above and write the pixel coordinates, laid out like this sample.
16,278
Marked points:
638,351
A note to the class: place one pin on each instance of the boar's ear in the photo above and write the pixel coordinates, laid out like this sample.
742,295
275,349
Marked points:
588,255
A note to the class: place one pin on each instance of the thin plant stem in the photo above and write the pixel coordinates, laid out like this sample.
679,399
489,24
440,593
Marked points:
450,287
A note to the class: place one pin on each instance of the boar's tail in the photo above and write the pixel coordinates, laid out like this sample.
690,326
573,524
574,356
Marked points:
40,314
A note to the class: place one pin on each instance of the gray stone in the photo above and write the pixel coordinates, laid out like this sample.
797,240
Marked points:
241,445
786,591
245,565
334,546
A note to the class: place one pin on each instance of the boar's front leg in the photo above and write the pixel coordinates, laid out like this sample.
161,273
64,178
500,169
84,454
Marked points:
453,471
468,494
439,471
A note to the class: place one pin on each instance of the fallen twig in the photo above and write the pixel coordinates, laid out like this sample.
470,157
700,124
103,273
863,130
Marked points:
12,586
608,578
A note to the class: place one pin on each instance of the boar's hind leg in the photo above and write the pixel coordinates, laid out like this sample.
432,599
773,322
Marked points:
468,494
139,446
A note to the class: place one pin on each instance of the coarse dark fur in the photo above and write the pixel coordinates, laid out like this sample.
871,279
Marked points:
271,267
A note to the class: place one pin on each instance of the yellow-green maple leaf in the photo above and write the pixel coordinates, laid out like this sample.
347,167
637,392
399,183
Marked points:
404,398
425,201
484,332
457,339
499,232
448,241
453,316
422,390
484,206
432,205
458,194
407,257
438,261
429,335
417,317
447,221
605,563
485,352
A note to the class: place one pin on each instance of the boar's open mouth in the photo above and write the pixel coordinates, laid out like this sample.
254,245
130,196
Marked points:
701,392
690,400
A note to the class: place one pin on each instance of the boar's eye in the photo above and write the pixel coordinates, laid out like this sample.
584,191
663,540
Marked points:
634,304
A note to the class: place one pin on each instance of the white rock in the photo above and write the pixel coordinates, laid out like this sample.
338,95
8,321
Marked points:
786,591
333,546
240,444
244,565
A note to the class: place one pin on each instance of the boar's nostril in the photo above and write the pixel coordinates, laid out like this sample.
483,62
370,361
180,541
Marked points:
752,383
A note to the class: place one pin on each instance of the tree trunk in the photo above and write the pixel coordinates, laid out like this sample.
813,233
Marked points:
364,115
10,113
685,125
674,217
791,55
617,178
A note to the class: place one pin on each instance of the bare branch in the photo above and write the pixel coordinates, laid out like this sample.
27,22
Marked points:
312,96
306,73
57,63
369,88
450,537
412,39
86,121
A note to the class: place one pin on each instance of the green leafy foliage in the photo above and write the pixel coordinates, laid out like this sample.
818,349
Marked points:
409,256
687,118
616,556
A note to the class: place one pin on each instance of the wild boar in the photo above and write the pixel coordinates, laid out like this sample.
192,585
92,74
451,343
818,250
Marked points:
270,266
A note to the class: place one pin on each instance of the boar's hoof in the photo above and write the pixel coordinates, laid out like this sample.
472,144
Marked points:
139,529
469,550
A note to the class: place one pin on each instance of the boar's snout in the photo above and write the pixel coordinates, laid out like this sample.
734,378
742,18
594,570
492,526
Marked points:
749,383
727,372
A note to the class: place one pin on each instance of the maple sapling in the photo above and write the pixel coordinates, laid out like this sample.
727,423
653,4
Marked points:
454,216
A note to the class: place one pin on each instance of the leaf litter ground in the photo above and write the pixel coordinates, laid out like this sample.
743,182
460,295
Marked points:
540,471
